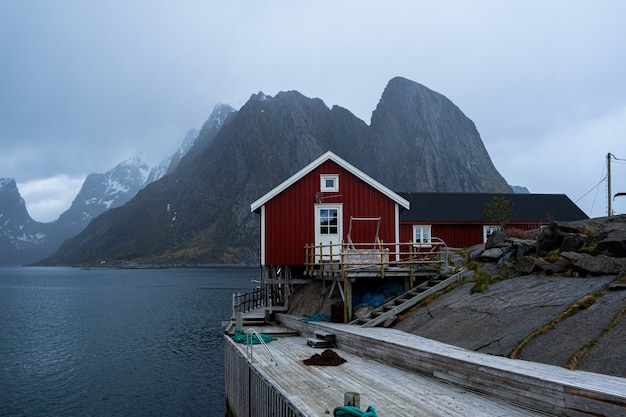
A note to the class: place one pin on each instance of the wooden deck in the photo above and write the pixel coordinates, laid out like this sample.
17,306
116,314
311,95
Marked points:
404,375
317,390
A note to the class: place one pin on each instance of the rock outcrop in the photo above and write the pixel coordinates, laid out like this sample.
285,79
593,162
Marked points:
552,296
584,248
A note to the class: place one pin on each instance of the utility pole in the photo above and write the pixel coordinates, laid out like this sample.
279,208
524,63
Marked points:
608,170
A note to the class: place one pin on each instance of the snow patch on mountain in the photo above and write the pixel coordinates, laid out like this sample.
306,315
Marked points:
24,240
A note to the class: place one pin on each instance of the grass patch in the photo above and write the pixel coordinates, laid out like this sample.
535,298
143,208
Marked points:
553,255
589,248
576,307
572,363
482,281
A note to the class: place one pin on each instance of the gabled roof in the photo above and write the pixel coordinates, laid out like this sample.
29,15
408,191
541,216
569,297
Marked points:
342,163
470,207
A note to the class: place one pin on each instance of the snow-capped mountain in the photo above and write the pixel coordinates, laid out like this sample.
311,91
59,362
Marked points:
214,123
101,192
24,240
168,165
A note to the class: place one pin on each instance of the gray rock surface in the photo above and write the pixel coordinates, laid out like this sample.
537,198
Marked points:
495,321
558,345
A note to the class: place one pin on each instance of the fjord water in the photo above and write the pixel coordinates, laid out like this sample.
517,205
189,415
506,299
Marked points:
109,342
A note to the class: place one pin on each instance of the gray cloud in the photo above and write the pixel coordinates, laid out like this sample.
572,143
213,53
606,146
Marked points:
543,81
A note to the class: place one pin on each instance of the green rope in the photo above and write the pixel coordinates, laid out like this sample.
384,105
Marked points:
349,411
315,317
250,339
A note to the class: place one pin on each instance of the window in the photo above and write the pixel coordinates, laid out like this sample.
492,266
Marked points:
488,230
329,183
329,221
421,233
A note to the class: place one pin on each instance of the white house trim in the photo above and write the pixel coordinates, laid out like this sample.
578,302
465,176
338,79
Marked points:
342,163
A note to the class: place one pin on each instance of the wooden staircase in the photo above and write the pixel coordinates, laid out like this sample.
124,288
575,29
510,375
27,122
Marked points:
409,299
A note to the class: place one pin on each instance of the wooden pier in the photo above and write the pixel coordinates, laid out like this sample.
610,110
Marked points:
405,375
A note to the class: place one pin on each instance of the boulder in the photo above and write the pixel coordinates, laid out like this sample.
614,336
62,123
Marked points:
547,241
526,265
474,251
572,242
614,244
496,239
491,255
600,226
522,247
550,268
595,265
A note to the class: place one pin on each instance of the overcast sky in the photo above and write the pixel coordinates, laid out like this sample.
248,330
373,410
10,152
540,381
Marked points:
85,85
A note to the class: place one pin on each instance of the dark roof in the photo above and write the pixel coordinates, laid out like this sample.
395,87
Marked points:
470,207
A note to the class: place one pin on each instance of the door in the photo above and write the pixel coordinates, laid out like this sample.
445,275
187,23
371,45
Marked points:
328,230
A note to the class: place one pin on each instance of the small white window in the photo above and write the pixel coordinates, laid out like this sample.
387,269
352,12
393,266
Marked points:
421,233
488,230
329,183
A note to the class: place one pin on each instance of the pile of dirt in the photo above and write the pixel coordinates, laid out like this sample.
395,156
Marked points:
326,358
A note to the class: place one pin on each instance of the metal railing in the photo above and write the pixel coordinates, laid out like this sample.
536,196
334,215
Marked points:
249,343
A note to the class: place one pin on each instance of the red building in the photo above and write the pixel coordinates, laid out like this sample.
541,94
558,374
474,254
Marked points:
459,218
332,221
326,203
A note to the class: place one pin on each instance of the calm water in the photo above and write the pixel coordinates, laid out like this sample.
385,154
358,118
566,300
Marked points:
114,342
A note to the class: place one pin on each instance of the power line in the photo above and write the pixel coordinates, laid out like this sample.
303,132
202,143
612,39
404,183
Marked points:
592,188
604,177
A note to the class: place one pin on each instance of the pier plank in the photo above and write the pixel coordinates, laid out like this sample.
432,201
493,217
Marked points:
317,390
534,385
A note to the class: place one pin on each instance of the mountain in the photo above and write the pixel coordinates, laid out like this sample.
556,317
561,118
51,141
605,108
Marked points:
199,214
24,241
425,129
168,165
518,189
101,192
214,122
18,231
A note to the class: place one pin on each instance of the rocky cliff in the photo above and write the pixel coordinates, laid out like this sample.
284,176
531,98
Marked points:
20,235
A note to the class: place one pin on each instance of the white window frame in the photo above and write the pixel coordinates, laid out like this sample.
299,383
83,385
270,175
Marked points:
488,229
324,178
422,228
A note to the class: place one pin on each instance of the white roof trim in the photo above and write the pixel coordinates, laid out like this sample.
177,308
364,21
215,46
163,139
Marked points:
342,163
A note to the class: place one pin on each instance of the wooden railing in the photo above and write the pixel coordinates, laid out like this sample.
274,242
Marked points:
341,258
248,301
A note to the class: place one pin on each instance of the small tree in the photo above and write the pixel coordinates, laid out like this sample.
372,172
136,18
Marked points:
499,211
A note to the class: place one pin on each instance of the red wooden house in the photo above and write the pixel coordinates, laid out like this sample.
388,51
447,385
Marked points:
324,204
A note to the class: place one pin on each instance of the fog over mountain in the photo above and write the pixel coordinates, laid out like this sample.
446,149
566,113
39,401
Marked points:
24,240
200,213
